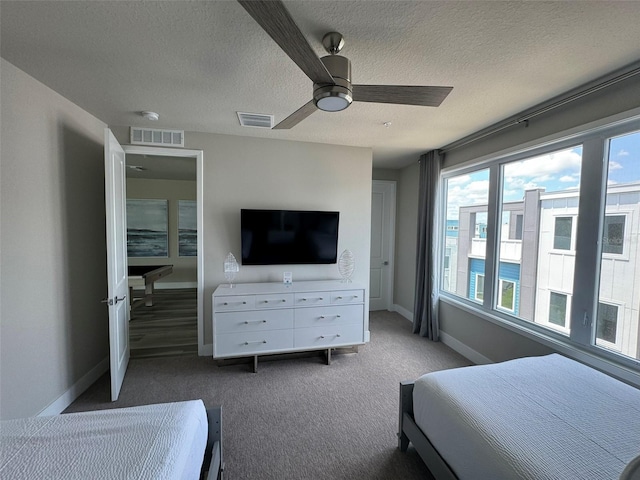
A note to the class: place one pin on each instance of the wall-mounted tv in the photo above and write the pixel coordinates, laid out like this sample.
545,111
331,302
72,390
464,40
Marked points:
288,237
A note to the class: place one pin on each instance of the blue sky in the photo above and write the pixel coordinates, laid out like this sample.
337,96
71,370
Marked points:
554,172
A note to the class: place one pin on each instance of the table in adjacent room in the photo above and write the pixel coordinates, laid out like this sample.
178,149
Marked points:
146,275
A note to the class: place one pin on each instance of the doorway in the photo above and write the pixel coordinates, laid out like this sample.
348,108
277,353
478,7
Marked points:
168,182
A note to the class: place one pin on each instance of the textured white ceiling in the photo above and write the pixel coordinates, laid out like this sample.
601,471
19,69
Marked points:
198,63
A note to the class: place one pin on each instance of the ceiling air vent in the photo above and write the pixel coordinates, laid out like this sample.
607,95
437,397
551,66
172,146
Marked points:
158,137
255,120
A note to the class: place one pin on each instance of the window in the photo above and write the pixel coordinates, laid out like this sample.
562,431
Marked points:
479,295
543,231
607,323
518,232
613,234
558,309
465,238
562,233
617,317
507,295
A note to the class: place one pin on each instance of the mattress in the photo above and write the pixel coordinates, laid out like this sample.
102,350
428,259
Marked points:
537,418
162,441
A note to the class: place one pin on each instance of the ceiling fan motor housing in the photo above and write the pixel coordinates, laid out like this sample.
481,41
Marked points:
333,98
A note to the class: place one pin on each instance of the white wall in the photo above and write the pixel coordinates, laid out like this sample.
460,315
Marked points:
185,270
54,330
242,172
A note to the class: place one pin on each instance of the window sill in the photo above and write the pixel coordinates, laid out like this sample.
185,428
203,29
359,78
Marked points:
628,372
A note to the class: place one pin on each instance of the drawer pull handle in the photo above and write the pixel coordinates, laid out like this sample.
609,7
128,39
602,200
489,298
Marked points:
246,322
304,299
284,300
225,303
244,303
324,316
339,298
337,335
259,341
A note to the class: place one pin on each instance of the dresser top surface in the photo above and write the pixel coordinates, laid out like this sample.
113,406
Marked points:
279,287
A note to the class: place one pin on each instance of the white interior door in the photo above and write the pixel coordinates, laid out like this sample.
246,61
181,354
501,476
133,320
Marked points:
116,211
383,207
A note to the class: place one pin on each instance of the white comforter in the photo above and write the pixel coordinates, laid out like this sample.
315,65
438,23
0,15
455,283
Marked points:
163,441
533,418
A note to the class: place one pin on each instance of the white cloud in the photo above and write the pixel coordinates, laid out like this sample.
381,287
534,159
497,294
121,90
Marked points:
623,153
568,178
613,165
544,166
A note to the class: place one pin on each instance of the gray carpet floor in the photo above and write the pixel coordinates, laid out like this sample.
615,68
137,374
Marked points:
297,418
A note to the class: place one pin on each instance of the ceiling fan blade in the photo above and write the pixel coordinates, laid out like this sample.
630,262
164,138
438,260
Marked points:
297,116
274,18
401,94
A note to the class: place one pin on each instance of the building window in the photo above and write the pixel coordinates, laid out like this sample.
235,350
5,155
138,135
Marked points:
507,296
557,309
479,288
613,234
518,232
607,323
562,233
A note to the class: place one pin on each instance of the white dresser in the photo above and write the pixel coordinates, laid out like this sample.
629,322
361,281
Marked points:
252,319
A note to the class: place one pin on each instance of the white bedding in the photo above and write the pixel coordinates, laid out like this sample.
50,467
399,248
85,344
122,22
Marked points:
534,418
162,441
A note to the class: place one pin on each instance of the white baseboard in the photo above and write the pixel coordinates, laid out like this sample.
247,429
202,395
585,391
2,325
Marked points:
402,311
448,340
76,389
463,349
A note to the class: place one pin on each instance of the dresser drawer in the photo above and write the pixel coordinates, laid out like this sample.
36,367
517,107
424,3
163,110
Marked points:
274,300
311,299
346,296
329,315
252,343
233,303
257,320
329,336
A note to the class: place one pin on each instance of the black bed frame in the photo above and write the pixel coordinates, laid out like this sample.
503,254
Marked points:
213,465
409,432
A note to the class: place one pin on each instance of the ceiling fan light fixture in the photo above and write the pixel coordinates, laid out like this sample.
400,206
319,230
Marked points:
333,101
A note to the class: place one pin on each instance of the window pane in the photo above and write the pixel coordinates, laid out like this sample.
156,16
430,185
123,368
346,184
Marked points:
540,198
558,309
618,311
480,287
466,233
507,298
613,237
607,324
562,233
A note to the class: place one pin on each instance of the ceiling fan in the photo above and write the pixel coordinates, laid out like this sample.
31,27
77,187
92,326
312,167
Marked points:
331,75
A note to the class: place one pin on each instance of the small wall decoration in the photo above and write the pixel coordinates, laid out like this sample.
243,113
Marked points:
147,228
187,228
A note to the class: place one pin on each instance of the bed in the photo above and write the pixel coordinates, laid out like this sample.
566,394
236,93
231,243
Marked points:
536,418
178,440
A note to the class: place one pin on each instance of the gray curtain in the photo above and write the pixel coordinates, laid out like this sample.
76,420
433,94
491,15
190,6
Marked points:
425,309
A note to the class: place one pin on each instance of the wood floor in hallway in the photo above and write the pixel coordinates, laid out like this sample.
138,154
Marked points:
168,328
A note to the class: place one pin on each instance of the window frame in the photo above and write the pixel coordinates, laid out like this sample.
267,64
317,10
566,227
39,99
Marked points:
582,310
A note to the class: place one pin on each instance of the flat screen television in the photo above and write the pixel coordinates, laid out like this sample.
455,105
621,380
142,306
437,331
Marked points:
288,237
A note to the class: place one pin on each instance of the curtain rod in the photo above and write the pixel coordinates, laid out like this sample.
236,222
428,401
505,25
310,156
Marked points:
583,91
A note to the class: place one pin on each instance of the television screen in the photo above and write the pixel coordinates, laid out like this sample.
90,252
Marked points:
286,237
